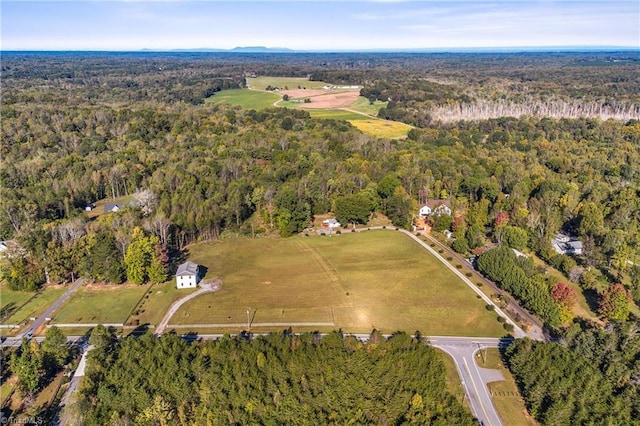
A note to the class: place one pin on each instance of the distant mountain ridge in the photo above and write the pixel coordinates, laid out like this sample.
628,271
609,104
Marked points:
239,49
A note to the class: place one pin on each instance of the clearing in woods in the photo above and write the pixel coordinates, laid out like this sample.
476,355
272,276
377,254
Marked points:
373,279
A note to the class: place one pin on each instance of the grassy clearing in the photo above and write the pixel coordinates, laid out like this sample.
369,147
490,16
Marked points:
362,104
261,83
506,396
99,209
245,98
335,114
37,305
157,302
100,304
382,128
376,279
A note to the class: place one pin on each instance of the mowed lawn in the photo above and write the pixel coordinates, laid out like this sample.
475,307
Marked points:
382,128
357,282
245,98
35,307
11,300
100,304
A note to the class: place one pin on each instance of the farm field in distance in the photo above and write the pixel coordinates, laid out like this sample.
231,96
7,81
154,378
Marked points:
338,103
358,282
245,98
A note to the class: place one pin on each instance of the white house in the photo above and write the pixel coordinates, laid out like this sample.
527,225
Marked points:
435,208
564,244
111,207
187,275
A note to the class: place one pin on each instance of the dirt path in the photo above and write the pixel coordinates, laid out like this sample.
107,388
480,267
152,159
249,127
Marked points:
204,288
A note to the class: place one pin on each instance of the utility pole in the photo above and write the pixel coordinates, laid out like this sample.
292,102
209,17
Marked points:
248,319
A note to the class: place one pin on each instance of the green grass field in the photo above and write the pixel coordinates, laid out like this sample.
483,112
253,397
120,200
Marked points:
109,304
382,128
335,114
375,279
261,83
362,104
245,98
36,306
11,300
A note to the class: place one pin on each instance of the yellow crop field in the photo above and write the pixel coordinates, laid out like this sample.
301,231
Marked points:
382,128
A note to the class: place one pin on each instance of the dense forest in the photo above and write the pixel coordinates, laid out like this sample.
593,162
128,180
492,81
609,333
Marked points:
275,379
78,128
591,376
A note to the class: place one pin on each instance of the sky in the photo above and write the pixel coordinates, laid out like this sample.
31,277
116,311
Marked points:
312,25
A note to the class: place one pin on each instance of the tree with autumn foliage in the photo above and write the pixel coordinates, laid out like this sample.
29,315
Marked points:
615,303
502,218
565,296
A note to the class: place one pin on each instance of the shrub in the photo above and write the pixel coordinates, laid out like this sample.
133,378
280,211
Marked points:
479,284
458,266
490,307
353,230
338,232
449,258
501,319
508,327
469,274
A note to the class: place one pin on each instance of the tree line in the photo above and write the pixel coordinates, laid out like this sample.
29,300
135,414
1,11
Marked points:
281,378
590,377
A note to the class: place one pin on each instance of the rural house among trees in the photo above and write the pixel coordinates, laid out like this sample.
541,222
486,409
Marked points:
436,208
187,275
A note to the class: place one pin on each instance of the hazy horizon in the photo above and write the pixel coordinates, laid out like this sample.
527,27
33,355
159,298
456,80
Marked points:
374,25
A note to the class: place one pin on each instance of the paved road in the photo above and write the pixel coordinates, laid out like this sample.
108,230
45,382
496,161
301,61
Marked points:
34,326
204,288
473,378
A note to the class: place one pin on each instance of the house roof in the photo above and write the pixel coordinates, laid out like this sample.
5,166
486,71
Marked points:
432,204
187,268
109,207
331,221
575,244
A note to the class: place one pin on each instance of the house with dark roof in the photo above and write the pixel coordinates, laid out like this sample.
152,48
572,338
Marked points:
112,207
187,275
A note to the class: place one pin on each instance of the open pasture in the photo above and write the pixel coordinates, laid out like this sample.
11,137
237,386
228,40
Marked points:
356,282
245,98
285,83
382,128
